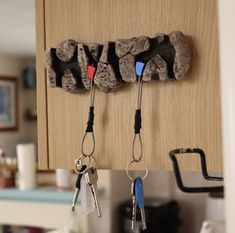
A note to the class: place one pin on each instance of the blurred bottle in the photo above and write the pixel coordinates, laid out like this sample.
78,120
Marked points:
7,170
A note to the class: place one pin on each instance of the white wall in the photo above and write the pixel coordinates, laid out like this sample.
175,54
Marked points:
227,53
13,66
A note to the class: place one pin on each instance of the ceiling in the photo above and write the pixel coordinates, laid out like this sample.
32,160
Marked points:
17,28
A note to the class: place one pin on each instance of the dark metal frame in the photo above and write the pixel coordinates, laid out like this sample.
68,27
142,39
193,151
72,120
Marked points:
173,155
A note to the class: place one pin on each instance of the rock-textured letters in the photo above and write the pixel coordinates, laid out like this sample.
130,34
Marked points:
166,57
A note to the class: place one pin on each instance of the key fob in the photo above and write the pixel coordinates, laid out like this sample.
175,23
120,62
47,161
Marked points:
139,192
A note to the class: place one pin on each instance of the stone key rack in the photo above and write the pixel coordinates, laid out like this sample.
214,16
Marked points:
166,57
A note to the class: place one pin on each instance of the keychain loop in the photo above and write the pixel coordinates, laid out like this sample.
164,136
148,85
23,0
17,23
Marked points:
137,126
133,148
141,161
93,144
90,122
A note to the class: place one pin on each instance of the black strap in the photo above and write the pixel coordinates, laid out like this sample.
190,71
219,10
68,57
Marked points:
90,121
137,126
78,182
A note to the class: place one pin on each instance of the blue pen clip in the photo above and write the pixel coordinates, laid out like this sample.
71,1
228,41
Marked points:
139,192
139,67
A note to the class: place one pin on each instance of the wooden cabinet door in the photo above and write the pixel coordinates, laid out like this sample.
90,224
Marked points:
175,114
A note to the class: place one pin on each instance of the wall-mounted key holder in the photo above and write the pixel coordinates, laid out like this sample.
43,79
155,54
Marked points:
167,57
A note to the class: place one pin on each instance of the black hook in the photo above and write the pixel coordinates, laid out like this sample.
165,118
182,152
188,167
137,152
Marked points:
205,174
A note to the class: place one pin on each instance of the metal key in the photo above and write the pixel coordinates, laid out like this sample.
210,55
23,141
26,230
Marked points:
78,187
139,194
91,177
133,219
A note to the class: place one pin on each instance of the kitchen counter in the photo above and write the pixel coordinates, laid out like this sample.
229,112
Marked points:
43,207
43,194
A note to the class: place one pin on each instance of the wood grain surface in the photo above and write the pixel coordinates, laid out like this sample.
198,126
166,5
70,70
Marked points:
175,114
42,125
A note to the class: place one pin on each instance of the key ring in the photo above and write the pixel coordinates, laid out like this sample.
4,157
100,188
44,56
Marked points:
133,161
79,163
93,144
133,148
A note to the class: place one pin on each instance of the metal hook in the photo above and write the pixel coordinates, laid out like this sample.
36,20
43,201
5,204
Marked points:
139,95
89,129
92,93
90,122
138,122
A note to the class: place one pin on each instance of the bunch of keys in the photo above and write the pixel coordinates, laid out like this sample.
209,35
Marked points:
86,189
137,192
87,175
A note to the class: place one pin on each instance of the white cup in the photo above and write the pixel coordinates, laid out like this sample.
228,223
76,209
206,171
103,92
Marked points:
63,179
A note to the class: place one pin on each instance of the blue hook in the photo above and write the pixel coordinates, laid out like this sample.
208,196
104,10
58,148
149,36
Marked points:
139,67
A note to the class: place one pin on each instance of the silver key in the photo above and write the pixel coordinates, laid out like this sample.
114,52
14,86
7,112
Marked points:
143,219
91,177
78,186
134,206
75,198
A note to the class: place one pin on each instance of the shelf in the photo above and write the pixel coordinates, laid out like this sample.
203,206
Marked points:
44,194
41,194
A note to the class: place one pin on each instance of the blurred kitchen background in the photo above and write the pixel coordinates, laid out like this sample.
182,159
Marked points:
47,206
